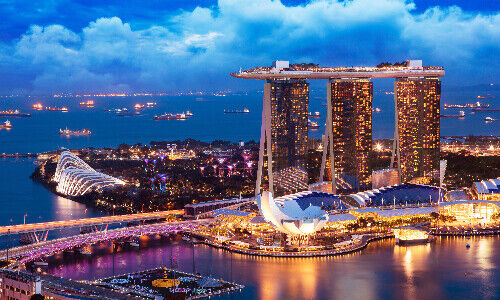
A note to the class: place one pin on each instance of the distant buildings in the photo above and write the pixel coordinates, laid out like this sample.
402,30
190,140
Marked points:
417,108
351,102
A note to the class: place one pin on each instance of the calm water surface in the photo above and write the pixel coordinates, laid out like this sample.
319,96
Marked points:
444,269
41,131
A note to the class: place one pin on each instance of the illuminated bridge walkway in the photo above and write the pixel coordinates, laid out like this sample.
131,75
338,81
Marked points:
33,252
37,232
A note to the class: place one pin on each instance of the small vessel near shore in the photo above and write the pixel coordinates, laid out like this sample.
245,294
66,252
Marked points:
244,111
377,110
14,113
6,125
67,132
189,113
460,115
169,116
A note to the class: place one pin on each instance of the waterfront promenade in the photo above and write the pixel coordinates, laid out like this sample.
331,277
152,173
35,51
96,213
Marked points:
340,250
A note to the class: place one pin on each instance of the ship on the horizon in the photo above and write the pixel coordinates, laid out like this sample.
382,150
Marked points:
460,115
126,113
139,106
487,96
244,111
37,106
467,105
61,109
13,113
88,103
67,132
6,125
314,115
170,116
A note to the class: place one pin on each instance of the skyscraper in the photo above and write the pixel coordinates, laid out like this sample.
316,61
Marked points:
417,108
289,115
351,103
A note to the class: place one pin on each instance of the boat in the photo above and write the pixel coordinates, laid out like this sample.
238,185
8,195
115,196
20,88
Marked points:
377,110
312,125
171,117
6,125
139,106
460,115
467,105
408,235
189,113
37,106
125,113
88,103
314,115
67,132
489,119
151,104
13,113
487,96
61,109
244,111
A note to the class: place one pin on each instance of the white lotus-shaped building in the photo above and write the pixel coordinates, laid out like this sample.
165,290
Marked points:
289,216
75,177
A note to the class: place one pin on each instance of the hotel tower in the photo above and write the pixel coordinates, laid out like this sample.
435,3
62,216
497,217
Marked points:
289,101
351,106
417,128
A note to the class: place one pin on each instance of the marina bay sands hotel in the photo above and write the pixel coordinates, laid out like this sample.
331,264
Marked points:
347,141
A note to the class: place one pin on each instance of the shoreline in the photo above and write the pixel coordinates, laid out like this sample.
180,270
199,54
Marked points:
358,247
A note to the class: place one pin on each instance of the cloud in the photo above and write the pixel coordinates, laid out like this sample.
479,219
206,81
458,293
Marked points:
198,48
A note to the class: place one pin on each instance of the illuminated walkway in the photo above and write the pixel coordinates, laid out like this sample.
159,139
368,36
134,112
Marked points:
34,227
33,252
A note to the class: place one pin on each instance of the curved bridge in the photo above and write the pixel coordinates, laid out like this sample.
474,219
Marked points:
29,253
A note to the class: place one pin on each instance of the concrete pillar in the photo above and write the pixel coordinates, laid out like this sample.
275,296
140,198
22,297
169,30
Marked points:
265,142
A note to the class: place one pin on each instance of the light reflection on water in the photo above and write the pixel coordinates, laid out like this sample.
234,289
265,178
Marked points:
443,269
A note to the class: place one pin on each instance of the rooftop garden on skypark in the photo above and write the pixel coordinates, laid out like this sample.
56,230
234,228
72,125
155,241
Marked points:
312,67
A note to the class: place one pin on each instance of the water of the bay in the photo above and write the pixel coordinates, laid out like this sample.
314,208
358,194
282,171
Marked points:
444,269
41,131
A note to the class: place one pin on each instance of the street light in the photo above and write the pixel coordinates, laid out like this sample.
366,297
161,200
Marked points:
25,215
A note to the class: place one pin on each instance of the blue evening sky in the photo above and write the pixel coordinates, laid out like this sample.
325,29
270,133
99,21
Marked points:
157,45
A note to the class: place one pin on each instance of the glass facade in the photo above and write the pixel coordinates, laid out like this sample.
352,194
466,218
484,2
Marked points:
289,115
418,103
352,132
